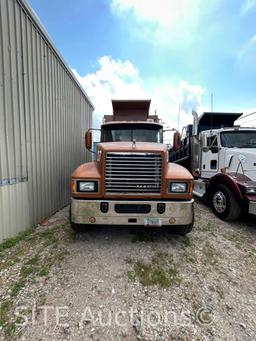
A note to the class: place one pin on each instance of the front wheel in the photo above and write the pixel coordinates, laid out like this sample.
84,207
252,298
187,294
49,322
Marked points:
184,229
224,204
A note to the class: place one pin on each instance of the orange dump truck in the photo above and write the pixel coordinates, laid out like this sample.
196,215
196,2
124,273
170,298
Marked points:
131,182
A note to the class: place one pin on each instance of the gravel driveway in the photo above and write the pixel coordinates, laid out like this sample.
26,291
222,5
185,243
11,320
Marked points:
128,284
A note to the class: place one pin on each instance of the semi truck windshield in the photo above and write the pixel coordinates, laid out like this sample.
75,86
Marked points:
239,139
140,133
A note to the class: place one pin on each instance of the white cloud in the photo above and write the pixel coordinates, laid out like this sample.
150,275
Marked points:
161,20
121,80
247,6
168,22
251,43
248,119
164,12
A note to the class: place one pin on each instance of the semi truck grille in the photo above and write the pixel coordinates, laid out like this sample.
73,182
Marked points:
133,173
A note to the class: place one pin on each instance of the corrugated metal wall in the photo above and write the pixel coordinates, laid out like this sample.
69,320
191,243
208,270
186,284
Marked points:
43,116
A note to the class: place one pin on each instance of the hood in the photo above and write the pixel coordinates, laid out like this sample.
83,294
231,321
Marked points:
246,157
132,147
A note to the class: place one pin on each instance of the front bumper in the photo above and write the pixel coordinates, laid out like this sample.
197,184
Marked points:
252,207
176,213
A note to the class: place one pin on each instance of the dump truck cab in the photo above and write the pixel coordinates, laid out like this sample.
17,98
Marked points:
131,181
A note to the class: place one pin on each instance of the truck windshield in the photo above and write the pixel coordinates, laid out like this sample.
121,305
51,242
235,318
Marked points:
239,139
130,132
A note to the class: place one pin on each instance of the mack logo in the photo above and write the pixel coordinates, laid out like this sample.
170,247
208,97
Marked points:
146,186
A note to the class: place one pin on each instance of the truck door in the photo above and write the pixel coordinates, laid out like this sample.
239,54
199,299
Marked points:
210,158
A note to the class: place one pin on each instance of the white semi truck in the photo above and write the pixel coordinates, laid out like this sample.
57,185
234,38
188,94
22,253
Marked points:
222,158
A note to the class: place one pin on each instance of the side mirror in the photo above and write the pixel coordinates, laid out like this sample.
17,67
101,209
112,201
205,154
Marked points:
88,140
204,145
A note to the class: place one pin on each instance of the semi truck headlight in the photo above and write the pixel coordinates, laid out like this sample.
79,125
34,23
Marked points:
87,186
250,190
178,187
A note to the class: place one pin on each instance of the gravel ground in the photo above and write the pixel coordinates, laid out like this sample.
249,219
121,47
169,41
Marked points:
128,284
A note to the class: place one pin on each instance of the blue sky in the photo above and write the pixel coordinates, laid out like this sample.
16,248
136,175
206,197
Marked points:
175,52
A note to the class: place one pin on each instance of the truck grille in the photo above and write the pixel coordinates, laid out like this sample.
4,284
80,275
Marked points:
133,173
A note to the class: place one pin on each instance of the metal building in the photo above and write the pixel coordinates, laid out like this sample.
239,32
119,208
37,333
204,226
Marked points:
44,113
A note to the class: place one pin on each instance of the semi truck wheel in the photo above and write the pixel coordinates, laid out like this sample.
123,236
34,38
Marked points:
74,226
224,204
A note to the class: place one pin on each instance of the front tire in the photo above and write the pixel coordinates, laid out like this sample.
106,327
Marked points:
185,229
224,204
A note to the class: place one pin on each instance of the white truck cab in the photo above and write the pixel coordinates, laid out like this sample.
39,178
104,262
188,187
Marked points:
233,149
222,158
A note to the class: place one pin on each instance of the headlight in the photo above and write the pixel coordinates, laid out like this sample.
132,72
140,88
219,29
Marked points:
250,190
178,187
87,186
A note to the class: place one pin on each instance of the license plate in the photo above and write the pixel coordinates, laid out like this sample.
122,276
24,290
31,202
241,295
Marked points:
153,222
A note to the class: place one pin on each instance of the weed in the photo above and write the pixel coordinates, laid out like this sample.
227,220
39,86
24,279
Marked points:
27,270
155,275
49,236
4,310
16,288
160,271
15,260
70,232
131,276
33,261
9,329
44,271
9,243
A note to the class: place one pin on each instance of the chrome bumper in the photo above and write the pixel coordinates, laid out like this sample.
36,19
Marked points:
176,213
252,207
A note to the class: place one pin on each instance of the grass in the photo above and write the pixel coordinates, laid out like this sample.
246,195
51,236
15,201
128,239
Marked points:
131,275
33,261
9,243
38,265
4,310
44,271
49,235
159,271
8,327
16,288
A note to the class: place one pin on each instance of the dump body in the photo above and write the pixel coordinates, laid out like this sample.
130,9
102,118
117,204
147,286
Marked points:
131,182
221,156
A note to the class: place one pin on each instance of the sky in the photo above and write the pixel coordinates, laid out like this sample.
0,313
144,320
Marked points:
174,52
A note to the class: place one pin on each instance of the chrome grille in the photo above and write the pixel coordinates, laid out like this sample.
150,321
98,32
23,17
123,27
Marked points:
130,173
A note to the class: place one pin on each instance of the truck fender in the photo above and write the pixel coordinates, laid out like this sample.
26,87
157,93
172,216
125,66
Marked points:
225,180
